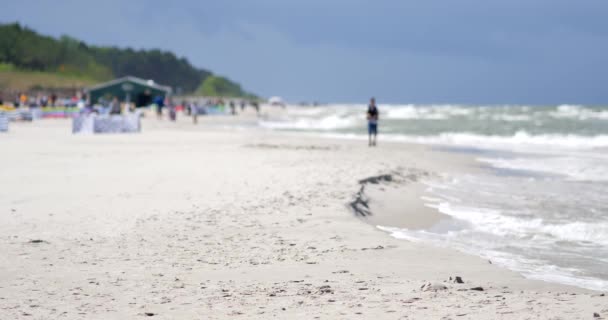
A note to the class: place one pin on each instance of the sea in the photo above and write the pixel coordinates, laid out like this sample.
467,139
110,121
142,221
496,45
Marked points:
540,207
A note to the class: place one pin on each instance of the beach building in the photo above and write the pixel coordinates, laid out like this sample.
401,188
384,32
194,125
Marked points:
128,89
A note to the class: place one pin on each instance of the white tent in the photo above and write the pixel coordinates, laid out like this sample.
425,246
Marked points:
276,101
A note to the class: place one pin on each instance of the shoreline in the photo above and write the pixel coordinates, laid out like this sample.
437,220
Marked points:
182,221
396,202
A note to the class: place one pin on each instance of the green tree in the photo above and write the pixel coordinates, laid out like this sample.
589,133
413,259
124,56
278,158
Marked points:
216,86
27,50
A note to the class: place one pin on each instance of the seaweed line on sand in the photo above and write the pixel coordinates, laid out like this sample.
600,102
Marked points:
360,203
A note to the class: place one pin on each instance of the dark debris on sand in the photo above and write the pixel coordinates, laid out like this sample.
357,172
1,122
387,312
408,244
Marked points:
36,241
360,203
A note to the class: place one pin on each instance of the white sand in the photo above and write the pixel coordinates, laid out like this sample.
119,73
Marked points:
200,222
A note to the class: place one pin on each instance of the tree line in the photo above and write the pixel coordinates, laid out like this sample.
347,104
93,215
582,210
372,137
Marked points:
25,49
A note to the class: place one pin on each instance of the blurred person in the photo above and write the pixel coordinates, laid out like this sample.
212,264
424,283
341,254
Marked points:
53,99
256,106
160,104
372,121
172,110
194,112
23,99
232,107
115,106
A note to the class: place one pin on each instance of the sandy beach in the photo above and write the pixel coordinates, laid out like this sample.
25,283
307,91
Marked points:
209,221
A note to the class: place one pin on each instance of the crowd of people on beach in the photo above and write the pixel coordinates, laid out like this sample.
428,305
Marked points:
78,100
204,106
191,107
44,100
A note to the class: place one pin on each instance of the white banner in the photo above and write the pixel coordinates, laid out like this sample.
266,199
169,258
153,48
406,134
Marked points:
83,124
3,122
36,113
106,124
19,115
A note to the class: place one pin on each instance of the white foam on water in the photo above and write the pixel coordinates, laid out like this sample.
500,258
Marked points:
596,233
424,112
327,123
491,221
578,112
519,140
530,268
518,223
413,112
575,167
543,215
309,111
511,117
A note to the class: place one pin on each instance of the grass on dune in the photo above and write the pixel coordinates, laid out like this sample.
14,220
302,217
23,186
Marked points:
12,79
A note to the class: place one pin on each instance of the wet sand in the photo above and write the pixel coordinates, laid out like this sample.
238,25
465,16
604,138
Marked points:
400,206
208,221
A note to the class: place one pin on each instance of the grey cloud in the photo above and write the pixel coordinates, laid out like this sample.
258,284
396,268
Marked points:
470,51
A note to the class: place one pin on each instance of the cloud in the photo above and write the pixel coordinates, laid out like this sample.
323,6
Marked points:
466,51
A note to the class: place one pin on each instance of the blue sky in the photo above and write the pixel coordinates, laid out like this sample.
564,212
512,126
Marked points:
432,51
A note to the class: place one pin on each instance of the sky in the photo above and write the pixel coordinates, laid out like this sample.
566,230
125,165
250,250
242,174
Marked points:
426,51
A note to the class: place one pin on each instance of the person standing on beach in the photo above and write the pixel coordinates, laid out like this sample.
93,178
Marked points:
256,106
159,101
172,111
232,108
372,121
194,112
53,99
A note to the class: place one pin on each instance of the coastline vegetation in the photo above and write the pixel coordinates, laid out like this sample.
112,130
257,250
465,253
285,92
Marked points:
30,61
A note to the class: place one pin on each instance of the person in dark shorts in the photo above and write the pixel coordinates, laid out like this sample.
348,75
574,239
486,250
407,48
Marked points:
372,121
160,103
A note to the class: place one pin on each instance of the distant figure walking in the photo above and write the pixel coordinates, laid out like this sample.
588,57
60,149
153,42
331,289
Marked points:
256,106
194,112
172,111
160,103
372,121
232,108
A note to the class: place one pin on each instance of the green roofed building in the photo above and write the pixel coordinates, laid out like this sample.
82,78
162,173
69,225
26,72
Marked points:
128,89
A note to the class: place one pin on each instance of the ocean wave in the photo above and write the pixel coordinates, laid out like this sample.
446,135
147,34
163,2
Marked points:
522,142
578,112
529,267
308,111
511,117
577,168
493,222
328,123
578,231
494,127
546,124
519,139
411,112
